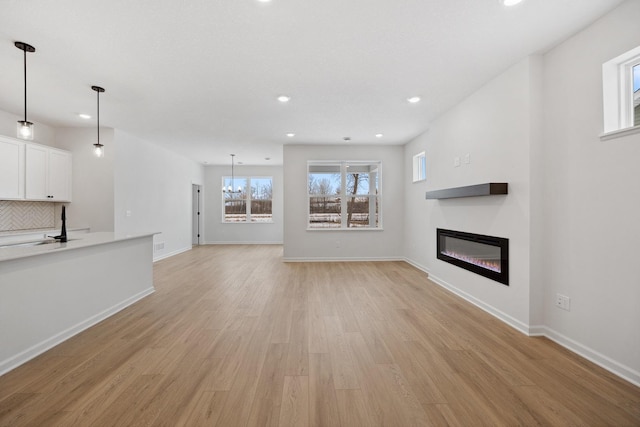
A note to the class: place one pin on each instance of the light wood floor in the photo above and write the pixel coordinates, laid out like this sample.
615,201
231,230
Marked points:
235,337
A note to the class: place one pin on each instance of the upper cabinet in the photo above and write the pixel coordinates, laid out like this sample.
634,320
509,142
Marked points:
34,172
60,175
11,169
48,173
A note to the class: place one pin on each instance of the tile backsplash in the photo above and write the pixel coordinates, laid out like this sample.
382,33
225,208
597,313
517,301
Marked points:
18,215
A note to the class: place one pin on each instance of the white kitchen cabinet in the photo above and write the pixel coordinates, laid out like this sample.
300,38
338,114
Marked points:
60,175
47,173
11,169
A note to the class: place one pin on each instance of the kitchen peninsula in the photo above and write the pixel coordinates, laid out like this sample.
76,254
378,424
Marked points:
50,292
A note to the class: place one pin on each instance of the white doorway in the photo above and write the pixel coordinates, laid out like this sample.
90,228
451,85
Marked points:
196,214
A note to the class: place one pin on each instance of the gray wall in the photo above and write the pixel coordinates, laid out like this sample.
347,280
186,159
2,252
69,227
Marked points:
155,186
92,178
572,210
592,189
492,126
365,244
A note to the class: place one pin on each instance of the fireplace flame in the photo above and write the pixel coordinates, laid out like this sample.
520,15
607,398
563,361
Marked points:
489,265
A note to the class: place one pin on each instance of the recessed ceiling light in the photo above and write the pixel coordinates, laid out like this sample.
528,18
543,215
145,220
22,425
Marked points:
291,134
84,116
284,98
510,2
414,99
347,138
267,158
379,135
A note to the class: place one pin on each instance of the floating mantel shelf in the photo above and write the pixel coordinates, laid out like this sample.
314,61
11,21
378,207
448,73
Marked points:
488,189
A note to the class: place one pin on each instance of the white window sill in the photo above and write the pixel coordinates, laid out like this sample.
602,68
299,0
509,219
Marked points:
246,222
347,229
619,133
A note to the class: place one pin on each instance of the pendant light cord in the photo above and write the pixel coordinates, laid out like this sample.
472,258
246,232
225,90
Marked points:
98,128
233,178
25,84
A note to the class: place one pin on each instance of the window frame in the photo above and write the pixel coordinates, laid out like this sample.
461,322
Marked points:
420,167
617,88
248,199
343,166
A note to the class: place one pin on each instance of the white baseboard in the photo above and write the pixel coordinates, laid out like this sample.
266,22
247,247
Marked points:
28,354
243,243
590,354
170,254
599,359
342,259
511,321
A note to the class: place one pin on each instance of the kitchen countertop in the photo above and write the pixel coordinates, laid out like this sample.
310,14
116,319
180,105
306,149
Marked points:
11,233
76,241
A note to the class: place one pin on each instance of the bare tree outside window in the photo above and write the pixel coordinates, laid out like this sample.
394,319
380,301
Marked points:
261,199
324,202
251,200
331,195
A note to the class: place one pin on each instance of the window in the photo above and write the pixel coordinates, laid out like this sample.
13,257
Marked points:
251,200
358,181
621,93
636,95
419,167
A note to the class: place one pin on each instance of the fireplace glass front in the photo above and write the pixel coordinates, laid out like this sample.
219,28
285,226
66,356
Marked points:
487,256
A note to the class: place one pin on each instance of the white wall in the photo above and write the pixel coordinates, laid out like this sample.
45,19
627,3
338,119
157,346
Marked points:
217,232
155,185
93,196
43,134
493,126
592,203
302,244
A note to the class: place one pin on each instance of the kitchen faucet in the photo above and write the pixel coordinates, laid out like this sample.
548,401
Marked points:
63,233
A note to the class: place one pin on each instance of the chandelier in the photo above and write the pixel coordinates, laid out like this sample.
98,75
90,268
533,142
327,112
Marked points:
230,189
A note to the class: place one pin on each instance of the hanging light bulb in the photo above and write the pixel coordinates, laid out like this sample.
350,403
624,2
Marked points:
25,127
98,149
25,130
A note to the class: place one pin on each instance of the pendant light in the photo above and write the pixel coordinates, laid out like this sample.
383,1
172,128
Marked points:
230,189
25,127
98,148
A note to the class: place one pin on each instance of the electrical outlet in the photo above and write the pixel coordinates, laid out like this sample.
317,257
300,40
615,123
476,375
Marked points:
158,246
563,302
467,158
456,162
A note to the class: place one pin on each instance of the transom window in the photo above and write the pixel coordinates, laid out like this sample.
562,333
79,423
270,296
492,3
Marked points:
250,200
636,95
344,195
419,167
621,92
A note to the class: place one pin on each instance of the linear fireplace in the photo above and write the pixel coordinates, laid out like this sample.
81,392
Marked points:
487,256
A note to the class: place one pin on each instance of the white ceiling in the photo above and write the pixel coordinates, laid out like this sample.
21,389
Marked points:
201,77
